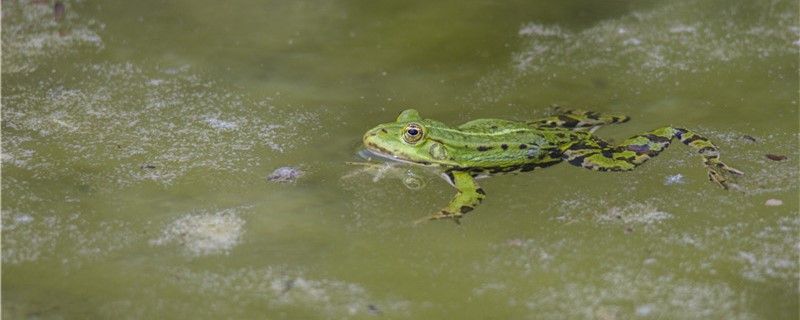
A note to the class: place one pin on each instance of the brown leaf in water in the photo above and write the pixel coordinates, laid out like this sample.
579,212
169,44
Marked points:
775,157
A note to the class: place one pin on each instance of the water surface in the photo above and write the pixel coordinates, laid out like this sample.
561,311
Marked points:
137,136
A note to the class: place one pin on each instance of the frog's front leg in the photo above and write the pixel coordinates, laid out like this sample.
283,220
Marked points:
468,197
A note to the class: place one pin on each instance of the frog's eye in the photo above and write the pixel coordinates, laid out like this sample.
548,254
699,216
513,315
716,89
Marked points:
413,133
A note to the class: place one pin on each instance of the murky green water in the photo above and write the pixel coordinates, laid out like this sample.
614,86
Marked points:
137,137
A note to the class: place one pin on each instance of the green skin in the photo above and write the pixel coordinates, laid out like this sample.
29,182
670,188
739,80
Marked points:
486,147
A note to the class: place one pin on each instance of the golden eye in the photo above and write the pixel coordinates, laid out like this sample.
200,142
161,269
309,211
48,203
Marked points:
413,133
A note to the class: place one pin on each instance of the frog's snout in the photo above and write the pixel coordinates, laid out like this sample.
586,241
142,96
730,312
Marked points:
369,136
373,136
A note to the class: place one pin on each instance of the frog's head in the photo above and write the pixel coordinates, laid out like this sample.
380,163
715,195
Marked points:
407,139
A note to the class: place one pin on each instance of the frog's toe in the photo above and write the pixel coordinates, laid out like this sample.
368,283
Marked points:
722,174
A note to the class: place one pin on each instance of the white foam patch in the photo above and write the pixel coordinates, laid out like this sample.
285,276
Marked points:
622,295
29,237
646,47
549,278
118,118
281,288
645,213
204,233
660,42
31,33
634,213
776,253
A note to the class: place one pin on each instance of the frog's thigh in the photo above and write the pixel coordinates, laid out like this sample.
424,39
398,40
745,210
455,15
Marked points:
579,119
603,159
468,197
632,152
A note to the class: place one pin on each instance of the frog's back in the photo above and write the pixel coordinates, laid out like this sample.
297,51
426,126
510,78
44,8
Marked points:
492,125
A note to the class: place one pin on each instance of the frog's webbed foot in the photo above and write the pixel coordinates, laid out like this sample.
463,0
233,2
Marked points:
468,197
721,174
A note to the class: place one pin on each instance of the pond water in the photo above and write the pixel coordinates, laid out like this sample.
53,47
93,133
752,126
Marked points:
137,137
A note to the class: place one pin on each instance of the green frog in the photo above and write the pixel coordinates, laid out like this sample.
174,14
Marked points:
486,147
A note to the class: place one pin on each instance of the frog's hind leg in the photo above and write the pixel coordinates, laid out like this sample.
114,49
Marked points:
575,119
595,154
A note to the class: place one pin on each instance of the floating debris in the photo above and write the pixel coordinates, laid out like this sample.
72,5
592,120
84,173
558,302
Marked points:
775,157
645,310
628,230
58,11
674,179
749,138
285,174
147,166
373,310
773,202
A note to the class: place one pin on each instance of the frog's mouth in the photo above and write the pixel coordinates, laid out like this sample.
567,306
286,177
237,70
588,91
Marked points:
373,150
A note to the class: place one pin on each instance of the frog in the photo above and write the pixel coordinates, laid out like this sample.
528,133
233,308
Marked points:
486,147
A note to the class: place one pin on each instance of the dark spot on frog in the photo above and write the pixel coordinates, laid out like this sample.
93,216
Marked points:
577,161
686,142
504,146
480,191
775,157
484,148
607,153
523,146
656,138
628,159
494,127
639,148
567,121
706,149
384,131
465,209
